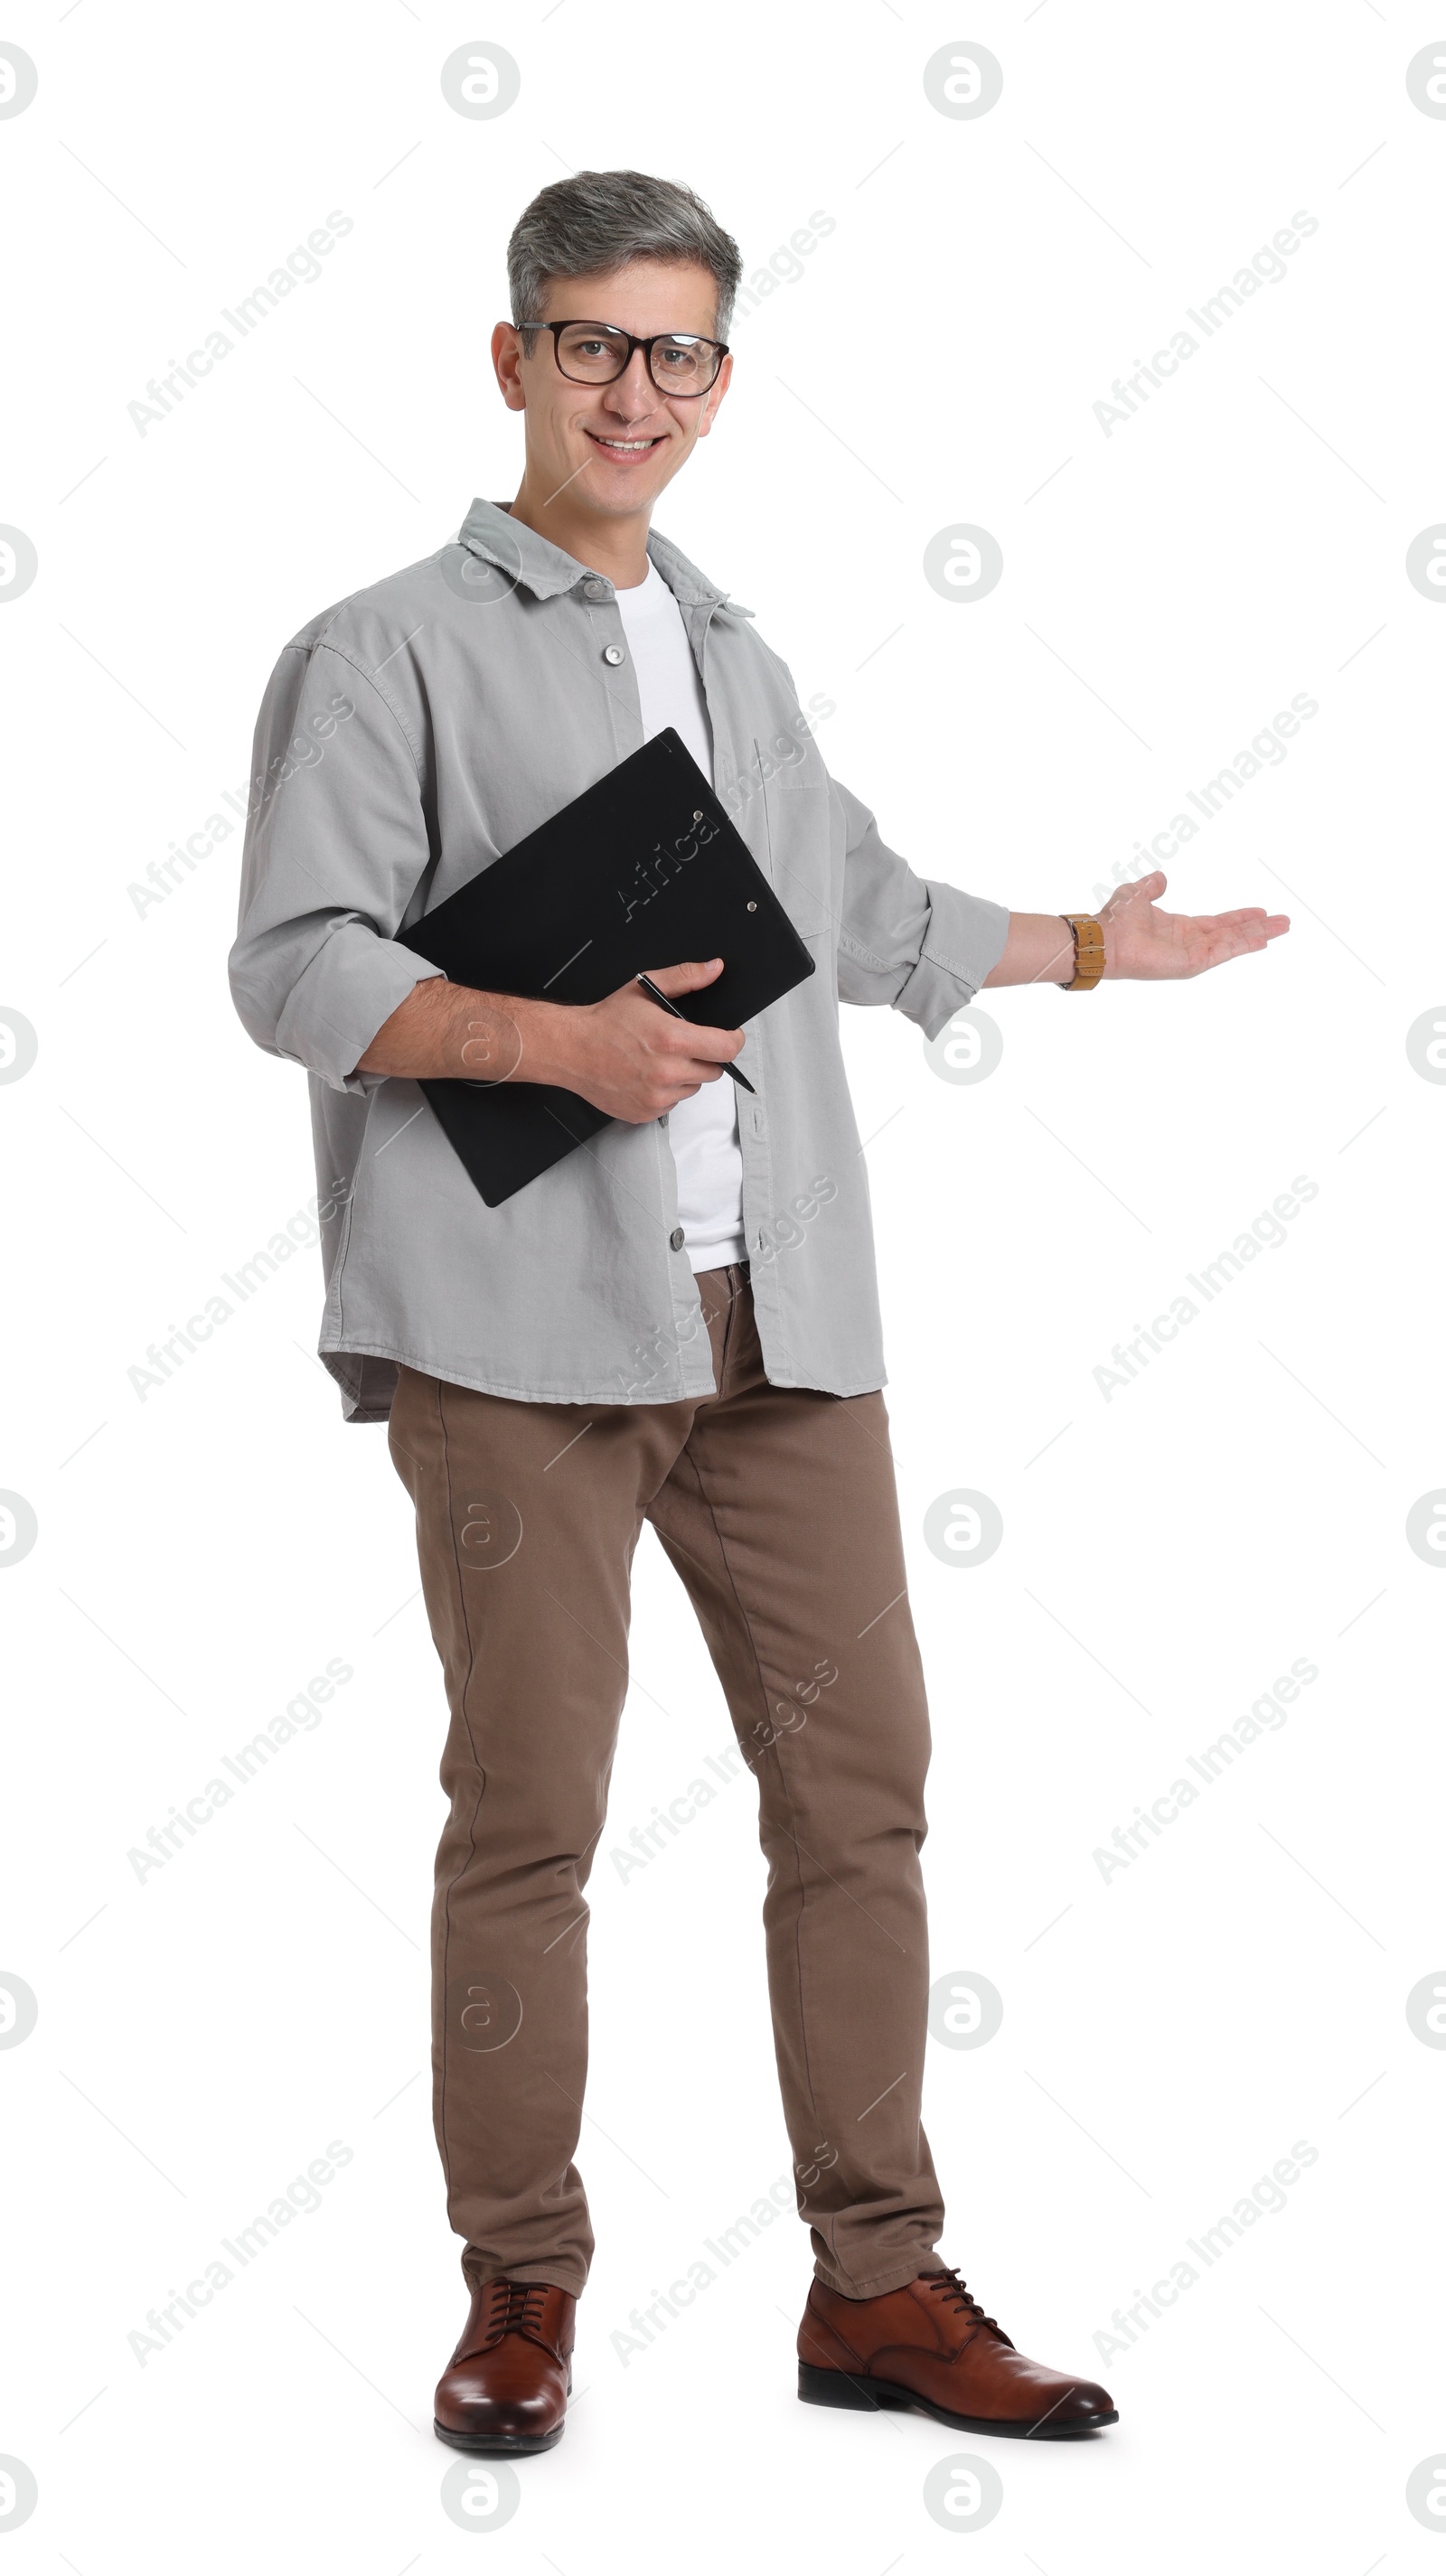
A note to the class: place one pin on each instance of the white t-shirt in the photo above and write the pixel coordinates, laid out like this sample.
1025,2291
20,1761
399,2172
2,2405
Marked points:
703,1131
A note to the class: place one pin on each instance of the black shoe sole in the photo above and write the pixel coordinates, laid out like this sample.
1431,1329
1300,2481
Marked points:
500,2446
874,2396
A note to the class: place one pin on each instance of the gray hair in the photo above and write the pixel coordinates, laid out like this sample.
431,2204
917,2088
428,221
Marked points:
603,219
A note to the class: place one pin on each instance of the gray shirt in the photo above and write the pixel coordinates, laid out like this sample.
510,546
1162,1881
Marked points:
407,738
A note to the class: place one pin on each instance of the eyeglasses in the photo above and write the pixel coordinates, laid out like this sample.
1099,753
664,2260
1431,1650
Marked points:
597,353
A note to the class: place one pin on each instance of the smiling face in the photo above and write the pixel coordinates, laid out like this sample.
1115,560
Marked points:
604,452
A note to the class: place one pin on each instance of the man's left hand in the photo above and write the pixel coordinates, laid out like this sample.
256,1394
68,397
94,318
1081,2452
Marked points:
1146,945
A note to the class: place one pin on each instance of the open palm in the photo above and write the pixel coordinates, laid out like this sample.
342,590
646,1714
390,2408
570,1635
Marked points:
1151,946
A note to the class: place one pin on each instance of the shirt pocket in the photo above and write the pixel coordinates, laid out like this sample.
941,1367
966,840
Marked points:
797,835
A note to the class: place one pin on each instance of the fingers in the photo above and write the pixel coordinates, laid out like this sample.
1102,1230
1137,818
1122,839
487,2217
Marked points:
707,1049
1227,935
640,1058
1251,927
1250,917
676,980
690,1044
704,1048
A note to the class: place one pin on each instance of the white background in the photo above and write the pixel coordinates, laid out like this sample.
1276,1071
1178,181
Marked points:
1168,2035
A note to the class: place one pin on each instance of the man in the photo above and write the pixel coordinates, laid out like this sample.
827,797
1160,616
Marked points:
677,1323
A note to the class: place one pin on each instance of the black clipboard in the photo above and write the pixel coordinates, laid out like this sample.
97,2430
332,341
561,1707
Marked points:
643,869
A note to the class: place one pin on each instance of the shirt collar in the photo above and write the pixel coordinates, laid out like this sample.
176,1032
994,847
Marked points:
491,532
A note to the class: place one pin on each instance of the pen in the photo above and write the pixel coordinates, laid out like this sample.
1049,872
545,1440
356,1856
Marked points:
653,994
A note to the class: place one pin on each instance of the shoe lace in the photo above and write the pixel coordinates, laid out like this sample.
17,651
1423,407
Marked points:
514,2307
947,2285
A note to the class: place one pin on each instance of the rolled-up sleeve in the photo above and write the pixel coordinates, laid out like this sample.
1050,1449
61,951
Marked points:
336,847
917,943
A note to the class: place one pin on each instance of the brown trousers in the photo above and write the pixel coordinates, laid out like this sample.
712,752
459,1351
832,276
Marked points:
777,1507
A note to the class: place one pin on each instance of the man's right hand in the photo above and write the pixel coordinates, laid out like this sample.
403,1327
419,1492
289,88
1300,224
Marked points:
623,1054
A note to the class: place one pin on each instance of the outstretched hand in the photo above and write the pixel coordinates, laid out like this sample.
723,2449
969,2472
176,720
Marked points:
1146,945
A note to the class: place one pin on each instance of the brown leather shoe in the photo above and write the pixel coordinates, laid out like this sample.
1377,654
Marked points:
506,2387
931,2346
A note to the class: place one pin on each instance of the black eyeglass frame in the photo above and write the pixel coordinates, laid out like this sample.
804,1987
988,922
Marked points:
614,331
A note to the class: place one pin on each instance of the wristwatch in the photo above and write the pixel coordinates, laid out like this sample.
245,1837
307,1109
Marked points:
1089,952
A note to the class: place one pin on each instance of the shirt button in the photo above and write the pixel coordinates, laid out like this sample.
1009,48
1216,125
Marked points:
675,1239
594,589
613,653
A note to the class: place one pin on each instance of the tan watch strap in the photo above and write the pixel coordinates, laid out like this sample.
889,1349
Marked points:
1089,952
